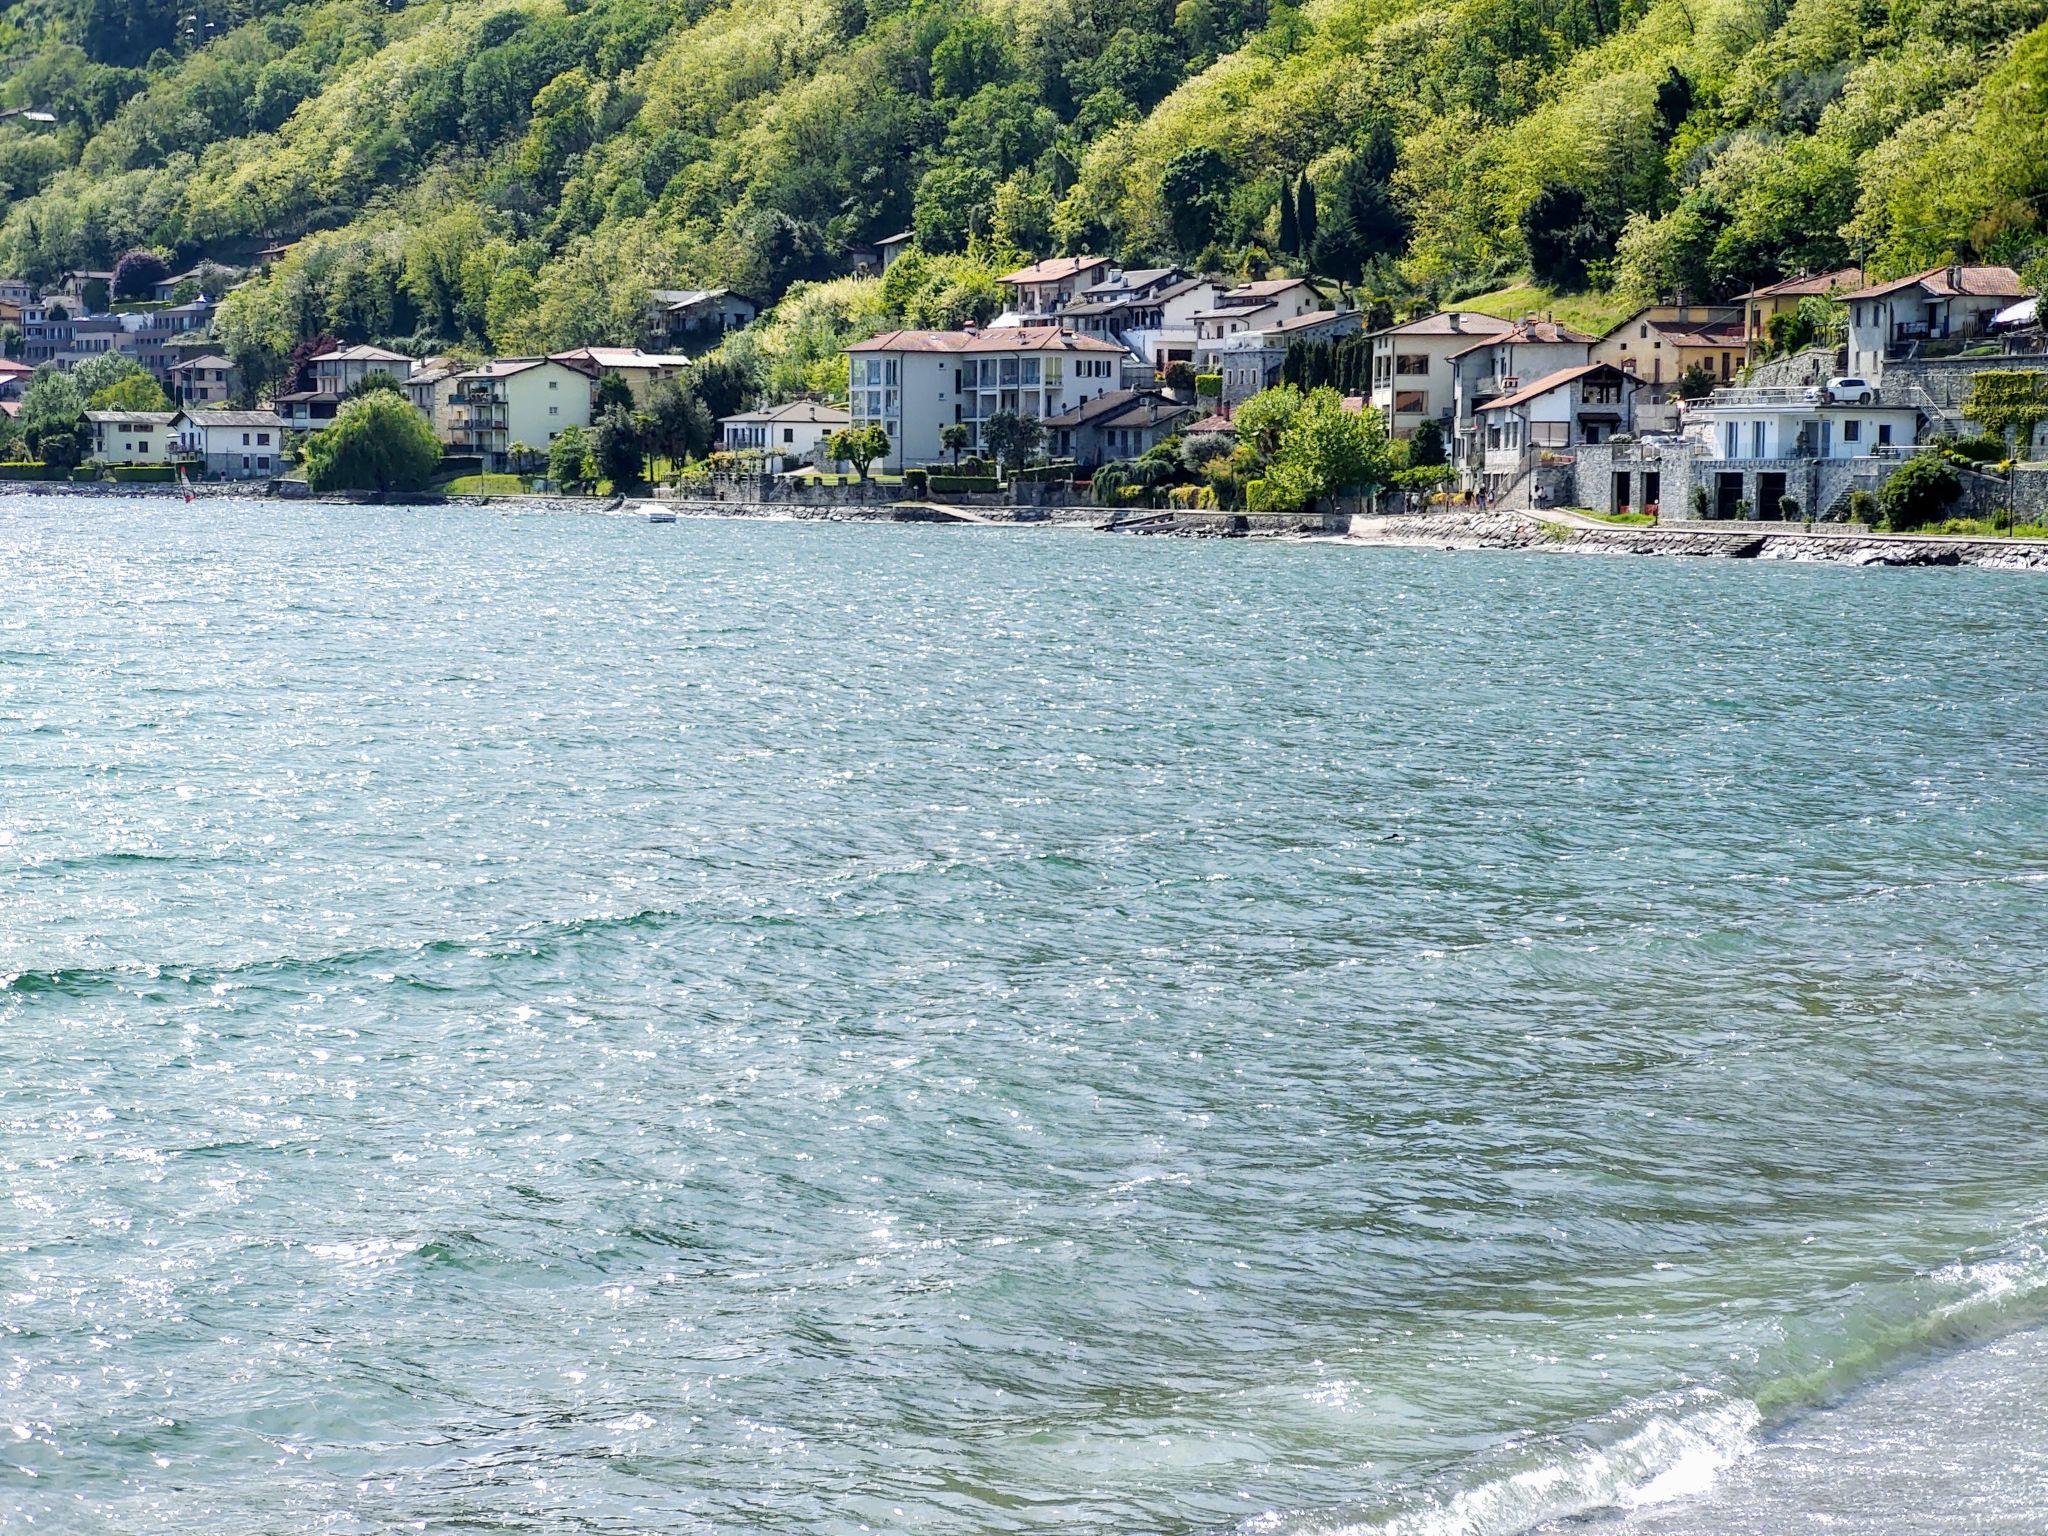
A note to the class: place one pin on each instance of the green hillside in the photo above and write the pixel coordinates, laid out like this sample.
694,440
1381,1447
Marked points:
511,174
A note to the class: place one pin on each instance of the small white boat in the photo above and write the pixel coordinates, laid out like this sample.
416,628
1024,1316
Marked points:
657,513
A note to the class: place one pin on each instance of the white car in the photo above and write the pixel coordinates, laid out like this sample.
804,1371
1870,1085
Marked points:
1847,390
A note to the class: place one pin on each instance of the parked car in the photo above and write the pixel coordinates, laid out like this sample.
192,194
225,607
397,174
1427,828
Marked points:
1847,389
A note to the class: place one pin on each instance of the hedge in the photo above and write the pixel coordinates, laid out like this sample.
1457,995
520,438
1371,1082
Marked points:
460,464
1061,470
86,472
145,474
962,485
34,472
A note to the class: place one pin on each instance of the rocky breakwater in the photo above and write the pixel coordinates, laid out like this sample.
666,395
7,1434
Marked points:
1724,541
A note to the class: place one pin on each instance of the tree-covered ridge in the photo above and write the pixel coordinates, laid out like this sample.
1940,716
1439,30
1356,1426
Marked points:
514,174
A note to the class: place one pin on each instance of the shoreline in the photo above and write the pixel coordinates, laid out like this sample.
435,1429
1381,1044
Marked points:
1568,534
1554,532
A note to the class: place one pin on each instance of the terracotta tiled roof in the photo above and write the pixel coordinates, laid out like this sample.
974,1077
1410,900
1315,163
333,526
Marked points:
1449,322
1022,338
1546,384
1953,282
1055,269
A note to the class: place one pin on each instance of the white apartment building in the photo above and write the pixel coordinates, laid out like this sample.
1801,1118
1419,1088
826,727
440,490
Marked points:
1412,380
524,400
1493,366
913,383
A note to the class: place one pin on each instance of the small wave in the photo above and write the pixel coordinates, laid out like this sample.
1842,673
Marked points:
528,939
1676,1446
1662,1450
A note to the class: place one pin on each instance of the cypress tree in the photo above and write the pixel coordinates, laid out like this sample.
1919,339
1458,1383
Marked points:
1290,231
1305,215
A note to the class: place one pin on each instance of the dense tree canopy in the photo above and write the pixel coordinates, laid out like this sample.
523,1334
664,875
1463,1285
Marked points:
487,175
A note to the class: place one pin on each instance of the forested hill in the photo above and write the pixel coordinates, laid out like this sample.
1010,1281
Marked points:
508,174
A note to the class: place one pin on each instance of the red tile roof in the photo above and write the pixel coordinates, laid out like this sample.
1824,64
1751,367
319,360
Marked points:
1021,338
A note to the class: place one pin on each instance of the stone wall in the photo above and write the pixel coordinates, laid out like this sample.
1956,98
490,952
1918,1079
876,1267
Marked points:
1799,370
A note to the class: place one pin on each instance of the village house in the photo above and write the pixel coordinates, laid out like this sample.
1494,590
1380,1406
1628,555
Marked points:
1553,415
699,315
231,445
1154,322
1760,306
1044,288
1484,370
1765,423
1927,314
522,401
206,380
1249,307
797,430
912,383
131,437
890,247
14,377
1251,360
334,373
1660,343
426,388
1119,425
641,370
1411,367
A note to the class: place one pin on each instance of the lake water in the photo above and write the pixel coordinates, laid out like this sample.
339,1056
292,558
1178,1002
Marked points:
539,1023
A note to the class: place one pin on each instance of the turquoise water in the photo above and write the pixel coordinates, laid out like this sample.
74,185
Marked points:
554,1024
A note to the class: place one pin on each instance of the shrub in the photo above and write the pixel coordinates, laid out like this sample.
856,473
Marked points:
1702,503
963,485
1788,508
916,481
1862,507
1984,448
1744,512
1919,492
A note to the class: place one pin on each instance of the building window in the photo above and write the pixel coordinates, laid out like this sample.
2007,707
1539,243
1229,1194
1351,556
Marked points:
1884,434
1731,444
554,410
1412,362
1756,440
1852,431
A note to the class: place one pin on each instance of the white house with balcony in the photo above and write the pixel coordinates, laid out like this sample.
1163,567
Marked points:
1493,366
912,384
1799,424
1930,312
1411,367
1551,416
528,401
797,430
1251,307
231,445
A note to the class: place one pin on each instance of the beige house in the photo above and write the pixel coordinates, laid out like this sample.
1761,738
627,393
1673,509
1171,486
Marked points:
1046,287
641,370
1659,343
131,437
1760,306
231,445
524,400
206,380
1412,376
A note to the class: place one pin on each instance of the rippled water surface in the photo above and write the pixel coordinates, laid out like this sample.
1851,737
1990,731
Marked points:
555,1024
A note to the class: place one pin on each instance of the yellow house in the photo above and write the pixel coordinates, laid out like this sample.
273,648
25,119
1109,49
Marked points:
1659,343
1760,306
